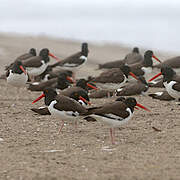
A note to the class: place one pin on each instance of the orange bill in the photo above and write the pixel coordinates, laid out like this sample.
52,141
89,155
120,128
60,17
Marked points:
40,97
70,79
21,67
84,100
142,107
156,58
53,56
91,86
157,75
133,75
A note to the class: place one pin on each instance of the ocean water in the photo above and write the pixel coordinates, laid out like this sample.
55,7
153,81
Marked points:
150,24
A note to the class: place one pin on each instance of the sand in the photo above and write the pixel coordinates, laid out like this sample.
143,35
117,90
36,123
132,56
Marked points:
31,149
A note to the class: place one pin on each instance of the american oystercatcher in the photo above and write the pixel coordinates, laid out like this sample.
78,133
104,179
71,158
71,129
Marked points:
37,65
161,95
171,62
144,68
115,75
23,57
115,114
171,81
133,88
131,58
61,82
80,96
62,106
17,76
81,84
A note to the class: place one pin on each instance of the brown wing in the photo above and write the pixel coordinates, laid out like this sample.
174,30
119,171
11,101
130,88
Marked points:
116,108
132,58
114,75
65,103
132,89
112,64
136,69
24,56
172,62
41,86
101,93
34,61
69,91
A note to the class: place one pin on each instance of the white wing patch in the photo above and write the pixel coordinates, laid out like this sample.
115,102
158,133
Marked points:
113,120
64,115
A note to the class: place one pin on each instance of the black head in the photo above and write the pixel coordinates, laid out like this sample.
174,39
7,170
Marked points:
44,53
32,51
130,102
121,99
16,67
168,73
148,58
135,50
142,79
50,95
82,83
76,95
84,49
126,70
62,82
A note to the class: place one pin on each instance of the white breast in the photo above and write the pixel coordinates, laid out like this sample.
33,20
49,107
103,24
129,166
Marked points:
37,71
116,121
175,94
63,115
147,71
17,80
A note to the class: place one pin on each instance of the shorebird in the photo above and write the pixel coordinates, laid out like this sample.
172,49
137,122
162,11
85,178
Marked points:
115,113
131,58
61,82
61,106
23,57
37,65
161,95
74,61
171,81
80,96
171,62
17,76
144,68
115,75
133,88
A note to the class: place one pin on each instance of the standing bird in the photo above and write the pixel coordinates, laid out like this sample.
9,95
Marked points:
23,57
80,96
62,106
171,81
17,75
115,114
37,65
144,68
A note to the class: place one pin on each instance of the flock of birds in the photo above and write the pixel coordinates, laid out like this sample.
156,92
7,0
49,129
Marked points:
67,97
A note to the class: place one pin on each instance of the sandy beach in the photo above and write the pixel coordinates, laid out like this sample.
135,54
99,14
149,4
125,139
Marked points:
31,149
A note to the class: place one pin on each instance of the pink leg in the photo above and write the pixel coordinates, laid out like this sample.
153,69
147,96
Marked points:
112,134
62,125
